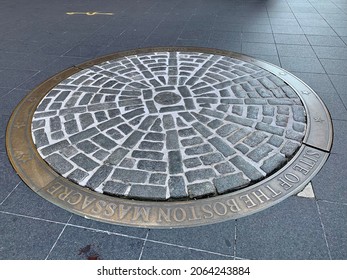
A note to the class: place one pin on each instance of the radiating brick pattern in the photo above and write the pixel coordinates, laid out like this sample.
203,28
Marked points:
169,125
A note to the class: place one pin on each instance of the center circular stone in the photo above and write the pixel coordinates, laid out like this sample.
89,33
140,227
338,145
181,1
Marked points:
188,125
167,98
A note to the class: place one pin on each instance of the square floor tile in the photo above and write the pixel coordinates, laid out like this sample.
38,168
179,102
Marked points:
290,230
330,182
269,58
9,102
302,64
26,239
341,31
335,105
340,137
313,22
331,41
11,78
337,22
81,244
312,30
340,83
276,14
24,201
259,48
257,37
9,178
318,82
331,52
159,251
260,28
295,50
291,39
19,46
284,21
333,66
334,218
122,230
199,237
87,51
287,29
225,36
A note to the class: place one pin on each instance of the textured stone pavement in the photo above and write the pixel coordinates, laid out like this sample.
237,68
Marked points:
308,38
135,127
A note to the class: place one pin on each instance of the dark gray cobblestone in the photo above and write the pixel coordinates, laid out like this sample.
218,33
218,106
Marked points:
77,175
150,192
169,125
230,182
177,187
198,190
200,174
85,162
115,188
59,164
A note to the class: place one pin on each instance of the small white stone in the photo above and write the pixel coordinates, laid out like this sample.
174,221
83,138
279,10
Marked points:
307,192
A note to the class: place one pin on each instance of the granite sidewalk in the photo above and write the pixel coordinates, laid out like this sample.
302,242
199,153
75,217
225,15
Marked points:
306,37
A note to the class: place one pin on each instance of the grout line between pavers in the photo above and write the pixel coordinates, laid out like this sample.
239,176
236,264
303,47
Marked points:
55,243
10,193
145,239
31,217
273,36
235,238
190,248
143,245
324,233
344,105
332,202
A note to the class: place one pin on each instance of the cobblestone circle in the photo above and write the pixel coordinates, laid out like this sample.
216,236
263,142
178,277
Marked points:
169,125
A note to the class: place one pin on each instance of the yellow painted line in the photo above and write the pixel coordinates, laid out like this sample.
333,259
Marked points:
90,13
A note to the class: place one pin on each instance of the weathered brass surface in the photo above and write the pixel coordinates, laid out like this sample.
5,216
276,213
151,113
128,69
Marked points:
287,181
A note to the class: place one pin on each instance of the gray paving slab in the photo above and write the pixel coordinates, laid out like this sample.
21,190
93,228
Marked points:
9,178
295,50
162,251
291,39
35,49
330,181
335,224
287,29
257,37
259,48
94,245
302,64
340,83
82,222
319,82
199,237
291,230
331,41
25,238
10,100
334,66
331,52
335,104
340,137
12,78
38,207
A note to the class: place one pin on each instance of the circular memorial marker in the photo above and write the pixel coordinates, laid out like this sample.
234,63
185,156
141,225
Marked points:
169,137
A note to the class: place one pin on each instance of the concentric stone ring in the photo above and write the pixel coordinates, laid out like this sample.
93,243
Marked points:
178,136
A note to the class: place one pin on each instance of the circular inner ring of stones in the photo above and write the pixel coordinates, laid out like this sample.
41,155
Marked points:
176,125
